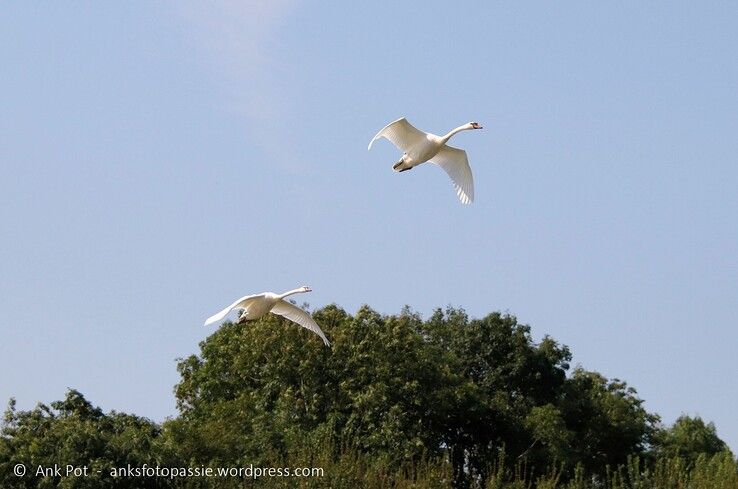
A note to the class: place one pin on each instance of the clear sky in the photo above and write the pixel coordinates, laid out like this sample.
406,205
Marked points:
161,159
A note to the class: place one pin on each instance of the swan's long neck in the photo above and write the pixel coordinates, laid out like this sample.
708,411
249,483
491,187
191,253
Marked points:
291,292
454,131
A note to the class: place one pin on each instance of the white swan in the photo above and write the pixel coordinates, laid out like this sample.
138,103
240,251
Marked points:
419,147
258,305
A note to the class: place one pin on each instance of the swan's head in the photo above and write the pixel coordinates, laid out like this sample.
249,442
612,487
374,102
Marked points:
475,125
305,288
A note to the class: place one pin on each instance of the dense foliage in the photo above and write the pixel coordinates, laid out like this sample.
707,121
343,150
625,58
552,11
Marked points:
396,402
73,432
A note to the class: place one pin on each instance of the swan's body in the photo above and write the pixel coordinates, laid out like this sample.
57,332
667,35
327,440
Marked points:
419,147
258,305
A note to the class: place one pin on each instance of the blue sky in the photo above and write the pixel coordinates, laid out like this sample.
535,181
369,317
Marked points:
160,160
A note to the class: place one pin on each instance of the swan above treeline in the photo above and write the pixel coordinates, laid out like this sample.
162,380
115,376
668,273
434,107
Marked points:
259,305
419,147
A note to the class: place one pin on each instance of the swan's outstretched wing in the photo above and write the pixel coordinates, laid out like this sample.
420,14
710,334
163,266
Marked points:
297,315
401,133
454,162
241,303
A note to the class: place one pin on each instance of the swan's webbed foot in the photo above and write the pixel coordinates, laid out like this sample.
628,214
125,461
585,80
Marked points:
398,167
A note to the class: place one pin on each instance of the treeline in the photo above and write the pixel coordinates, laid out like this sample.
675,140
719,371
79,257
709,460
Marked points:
396,402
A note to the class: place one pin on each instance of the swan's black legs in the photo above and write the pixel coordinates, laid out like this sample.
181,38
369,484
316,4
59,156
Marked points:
399,164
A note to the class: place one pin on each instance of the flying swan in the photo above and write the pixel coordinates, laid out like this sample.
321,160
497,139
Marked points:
419,147
258,305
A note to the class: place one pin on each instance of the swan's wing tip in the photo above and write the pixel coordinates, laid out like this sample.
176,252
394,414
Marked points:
293,313
456,165
465,198
376,136
216,317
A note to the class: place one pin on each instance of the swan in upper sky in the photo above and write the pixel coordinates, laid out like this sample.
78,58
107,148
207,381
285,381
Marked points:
419,147
258,305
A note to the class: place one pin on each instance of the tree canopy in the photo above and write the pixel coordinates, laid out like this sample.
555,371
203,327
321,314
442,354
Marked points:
478,395
74,432
688,438
400,387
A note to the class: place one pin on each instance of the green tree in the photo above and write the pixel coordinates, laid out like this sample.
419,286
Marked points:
505,376
258,386
253,387
74,432
396,401
400,388
688,438
607,421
